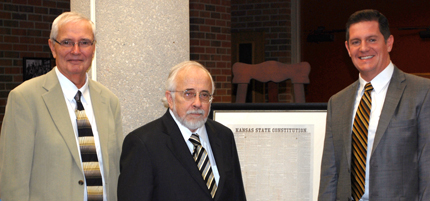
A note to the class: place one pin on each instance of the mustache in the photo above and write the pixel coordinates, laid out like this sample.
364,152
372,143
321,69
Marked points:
198,111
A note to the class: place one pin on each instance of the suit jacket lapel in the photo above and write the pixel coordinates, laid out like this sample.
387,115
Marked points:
100,109
394,93
180,149
347,109
56,105
217,148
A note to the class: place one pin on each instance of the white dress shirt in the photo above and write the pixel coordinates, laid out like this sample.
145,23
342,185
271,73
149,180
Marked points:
69,91
204,140
380,86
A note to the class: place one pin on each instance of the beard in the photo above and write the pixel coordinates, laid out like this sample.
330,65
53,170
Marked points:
194,123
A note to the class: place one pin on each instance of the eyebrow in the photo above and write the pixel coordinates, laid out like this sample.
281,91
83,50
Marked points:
371,36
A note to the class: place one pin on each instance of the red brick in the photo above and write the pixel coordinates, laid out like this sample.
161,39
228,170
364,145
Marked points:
5,62
20,32
43,55
226,57
210,50
204,28
226,99
51,4
205,42
11,39
5,15
26,24
38,48
204,14
35,2
6,47
226,44
215,71
194,42
41,10
33,17
197,49
226,71
49,19
197,6
27,54
18,47
25,39
210,22
12,70
65,5
43,25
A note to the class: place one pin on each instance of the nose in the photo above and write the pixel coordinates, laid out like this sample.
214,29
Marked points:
197,103
76,49
364,46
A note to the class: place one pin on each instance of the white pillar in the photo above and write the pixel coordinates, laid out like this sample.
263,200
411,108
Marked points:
138,41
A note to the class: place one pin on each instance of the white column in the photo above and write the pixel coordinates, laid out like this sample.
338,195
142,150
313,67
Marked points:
138,41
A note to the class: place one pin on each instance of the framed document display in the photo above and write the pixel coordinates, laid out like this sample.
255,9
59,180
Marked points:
279,145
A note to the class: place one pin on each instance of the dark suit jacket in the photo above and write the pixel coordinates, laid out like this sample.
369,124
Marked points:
400,160
39,156
156,164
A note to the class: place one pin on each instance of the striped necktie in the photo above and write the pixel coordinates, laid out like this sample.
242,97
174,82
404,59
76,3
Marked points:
359,143
88,153
203,164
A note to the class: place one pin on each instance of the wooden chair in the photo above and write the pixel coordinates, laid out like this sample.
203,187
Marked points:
271,71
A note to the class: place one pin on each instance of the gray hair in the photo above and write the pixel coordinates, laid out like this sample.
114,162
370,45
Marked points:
171,80
67,17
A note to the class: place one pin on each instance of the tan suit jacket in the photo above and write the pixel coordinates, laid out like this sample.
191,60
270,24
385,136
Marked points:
400,160
39,158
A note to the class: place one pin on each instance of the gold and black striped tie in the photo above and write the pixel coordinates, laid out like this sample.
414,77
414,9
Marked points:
203,164
359,143
87,146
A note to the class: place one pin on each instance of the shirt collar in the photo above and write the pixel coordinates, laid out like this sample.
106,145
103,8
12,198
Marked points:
70,89
381,80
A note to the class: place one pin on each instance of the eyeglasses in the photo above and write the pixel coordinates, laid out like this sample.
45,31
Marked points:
190,94
82,43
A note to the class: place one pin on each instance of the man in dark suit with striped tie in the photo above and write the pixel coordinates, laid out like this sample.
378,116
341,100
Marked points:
377,142
182,155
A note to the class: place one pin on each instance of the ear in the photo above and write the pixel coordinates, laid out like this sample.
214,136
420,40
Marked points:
347,48
52,47
169,99
390,42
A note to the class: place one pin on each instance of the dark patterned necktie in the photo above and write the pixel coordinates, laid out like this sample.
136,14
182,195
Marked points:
359,143
203,164
88,153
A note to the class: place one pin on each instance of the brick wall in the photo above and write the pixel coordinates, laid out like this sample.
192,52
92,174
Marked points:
24,32
273,18
210,42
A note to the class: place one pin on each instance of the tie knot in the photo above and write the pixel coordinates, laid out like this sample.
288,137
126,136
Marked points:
195,139
78,96
368,87
79,105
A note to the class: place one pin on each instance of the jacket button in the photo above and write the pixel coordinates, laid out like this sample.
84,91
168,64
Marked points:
80,182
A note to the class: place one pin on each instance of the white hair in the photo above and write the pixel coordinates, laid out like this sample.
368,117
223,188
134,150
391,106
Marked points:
171,80
67,17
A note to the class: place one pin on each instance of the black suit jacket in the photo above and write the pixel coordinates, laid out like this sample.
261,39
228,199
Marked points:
156,164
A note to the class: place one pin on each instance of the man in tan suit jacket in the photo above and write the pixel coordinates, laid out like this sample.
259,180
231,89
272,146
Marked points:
40,157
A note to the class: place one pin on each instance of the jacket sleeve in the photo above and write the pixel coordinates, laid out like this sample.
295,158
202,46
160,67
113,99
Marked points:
424,148
136,178
16,148
328,179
